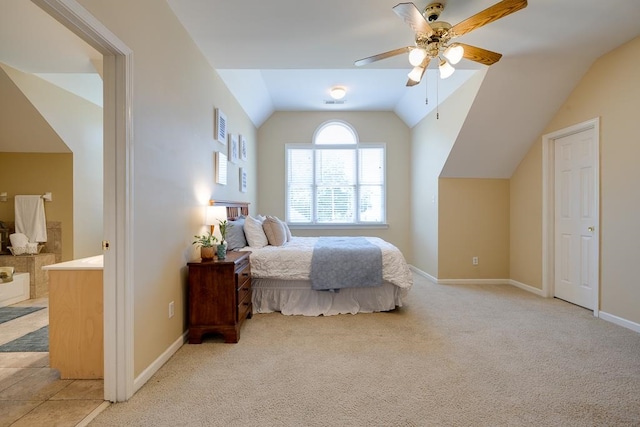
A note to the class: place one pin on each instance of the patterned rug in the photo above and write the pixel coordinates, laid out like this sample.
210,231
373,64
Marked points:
10,313
36,341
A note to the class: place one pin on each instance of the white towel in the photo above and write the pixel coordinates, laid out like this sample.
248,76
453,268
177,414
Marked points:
30,219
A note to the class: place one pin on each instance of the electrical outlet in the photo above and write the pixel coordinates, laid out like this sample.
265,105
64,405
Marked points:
172,309
474,260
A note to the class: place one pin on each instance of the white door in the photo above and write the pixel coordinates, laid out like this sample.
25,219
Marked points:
576,218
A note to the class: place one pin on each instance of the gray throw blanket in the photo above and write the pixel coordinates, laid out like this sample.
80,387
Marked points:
345,262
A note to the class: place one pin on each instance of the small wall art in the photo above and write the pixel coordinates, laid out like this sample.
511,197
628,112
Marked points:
221,126
221,168
243,180
243,148
234,149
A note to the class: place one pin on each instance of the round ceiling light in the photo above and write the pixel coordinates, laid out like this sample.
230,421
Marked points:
338,92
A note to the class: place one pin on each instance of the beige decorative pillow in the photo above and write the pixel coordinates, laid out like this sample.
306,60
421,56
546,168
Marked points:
275,231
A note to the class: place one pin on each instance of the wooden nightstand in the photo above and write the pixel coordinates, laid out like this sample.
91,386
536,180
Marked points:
219,296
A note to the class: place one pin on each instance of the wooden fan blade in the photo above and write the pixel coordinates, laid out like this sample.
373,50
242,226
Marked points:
424,65
480,55
412,16
385,55
493,13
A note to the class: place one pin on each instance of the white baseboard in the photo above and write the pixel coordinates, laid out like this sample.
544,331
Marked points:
423,274
527,288
602,315
620,321
473,282
157,364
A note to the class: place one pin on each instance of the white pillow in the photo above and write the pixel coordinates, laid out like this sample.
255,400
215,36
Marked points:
286,229
254,233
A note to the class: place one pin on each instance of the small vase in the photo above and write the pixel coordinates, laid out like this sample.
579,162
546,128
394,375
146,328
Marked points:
222,251
206,252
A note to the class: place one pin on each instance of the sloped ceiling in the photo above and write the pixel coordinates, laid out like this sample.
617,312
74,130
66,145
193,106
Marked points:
22,127
285,55
295,51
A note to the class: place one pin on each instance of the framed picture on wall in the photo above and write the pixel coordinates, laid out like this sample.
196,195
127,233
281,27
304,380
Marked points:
221,126
234,148
243,148
221,168
243,180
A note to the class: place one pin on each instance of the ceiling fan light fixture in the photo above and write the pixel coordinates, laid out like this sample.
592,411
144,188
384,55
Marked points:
454,53
416,74
446,69
338,92
416,56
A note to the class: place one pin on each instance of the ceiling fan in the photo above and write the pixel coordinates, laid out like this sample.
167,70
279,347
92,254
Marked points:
433,37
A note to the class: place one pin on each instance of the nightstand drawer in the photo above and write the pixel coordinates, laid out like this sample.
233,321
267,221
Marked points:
243,275
244,306
244,290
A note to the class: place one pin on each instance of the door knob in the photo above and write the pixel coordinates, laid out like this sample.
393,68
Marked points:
592,229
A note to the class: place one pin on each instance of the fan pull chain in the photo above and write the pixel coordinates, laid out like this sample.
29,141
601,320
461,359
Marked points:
437,99
426,89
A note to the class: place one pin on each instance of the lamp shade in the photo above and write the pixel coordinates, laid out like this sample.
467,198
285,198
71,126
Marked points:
215,214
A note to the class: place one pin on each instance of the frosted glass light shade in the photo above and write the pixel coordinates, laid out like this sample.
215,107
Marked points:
416,74
445,69
454,53
337,92
416,56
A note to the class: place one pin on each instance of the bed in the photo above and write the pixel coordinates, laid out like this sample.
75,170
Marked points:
281,275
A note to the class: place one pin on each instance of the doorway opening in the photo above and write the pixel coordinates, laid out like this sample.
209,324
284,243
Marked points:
117,192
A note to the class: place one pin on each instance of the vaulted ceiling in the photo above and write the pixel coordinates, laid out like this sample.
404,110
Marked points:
284,55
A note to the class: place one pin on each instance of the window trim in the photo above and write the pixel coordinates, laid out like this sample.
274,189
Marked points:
357,146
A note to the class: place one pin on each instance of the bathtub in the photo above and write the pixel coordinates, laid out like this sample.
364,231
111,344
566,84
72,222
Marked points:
16,290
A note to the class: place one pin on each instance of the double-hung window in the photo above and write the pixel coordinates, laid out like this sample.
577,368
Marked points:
336,180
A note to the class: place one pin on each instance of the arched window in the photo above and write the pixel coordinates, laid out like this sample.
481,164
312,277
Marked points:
335,133
336,180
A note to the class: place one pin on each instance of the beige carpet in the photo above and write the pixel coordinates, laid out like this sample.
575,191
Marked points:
453,356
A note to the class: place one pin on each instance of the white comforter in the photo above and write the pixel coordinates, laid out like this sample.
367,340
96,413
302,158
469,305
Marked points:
293,261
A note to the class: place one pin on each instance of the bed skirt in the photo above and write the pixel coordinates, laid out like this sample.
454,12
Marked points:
295,297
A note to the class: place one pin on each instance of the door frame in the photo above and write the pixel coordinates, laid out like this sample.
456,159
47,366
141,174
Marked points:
118,191
548,205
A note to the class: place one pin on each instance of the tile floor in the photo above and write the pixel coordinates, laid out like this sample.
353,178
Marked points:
31,393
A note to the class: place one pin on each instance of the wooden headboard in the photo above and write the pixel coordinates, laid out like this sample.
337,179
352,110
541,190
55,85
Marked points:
234,209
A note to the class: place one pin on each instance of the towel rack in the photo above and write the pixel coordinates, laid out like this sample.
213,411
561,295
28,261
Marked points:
47,197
